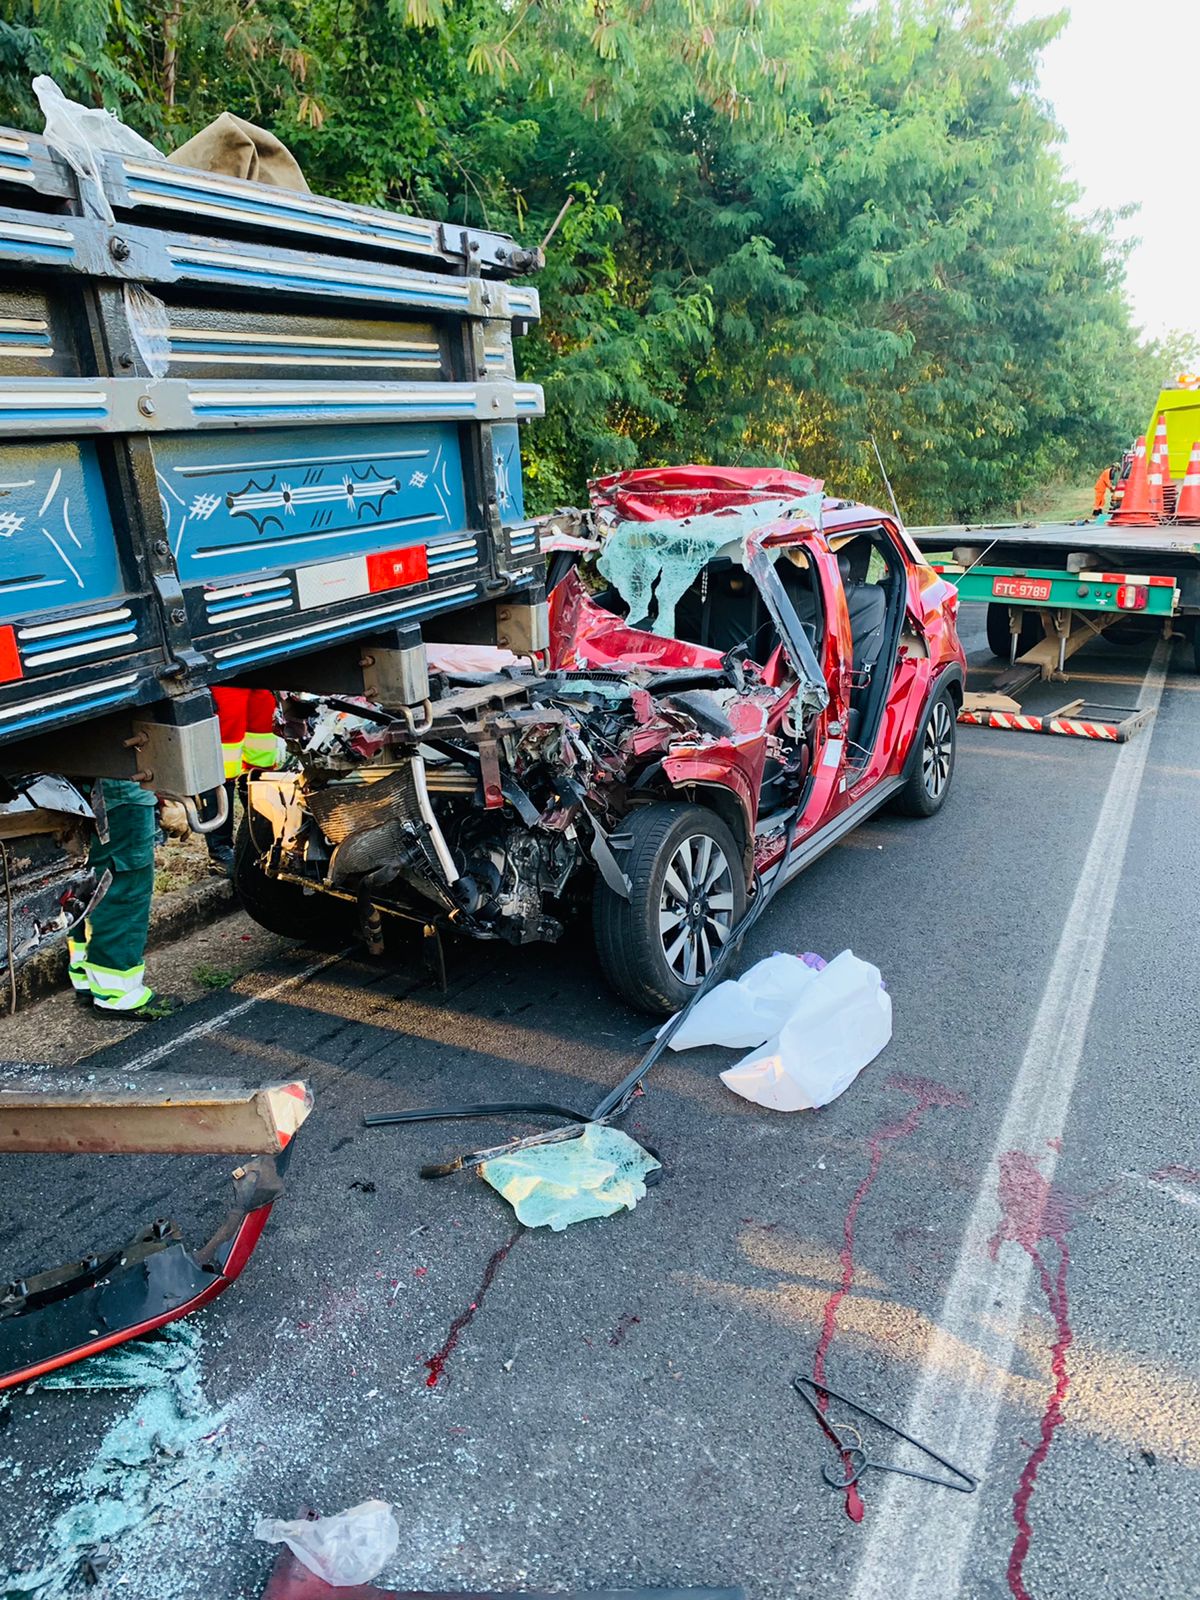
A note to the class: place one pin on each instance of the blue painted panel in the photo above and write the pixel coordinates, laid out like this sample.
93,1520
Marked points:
510,493
56,537
240,504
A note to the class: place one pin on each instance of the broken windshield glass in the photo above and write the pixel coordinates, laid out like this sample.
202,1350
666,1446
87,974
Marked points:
653,564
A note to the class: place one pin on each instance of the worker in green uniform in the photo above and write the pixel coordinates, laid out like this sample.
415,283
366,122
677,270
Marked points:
108,967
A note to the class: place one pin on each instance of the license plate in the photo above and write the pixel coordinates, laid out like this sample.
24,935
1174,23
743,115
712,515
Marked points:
1022,588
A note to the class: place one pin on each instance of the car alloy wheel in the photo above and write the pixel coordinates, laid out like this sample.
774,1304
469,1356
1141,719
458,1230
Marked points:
696,907
937,753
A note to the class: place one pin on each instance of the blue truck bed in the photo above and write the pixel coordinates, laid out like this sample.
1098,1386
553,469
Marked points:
228,450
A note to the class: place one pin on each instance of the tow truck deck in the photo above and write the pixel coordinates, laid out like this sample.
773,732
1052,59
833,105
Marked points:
1051,588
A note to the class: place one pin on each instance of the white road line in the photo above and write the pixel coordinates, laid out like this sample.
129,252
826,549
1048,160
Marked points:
920,1540
200,1030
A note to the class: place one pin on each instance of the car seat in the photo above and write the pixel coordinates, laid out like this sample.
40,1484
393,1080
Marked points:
867,605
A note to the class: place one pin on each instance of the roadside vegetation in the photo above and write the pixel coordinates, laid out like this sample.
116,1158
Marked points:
793,225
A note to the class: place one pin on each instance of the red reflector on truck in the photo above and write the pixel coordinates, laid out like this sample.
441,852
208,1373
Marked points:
10,660
1132,597
393,569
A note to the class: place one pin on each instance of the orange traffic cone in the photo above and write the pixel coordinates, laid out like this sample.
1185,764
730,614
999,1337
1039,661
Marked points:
1187,508
1166,484
1154,482
1135,509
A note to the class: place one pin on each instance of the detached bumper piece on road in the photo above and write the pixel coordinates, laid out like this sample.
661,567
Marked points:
291,1580
1078,720
52,1318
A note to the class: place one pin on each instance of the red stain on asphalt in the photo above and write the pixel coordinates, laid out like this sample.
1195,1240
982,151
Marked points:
1180,1174
436,1363
1034,1213
626,1321
927,1094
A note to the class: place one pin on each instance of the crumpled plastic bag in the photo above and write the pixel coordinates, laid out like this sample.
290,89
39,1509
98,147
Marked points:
553,1185
841,1021
347,1549
468,659
746,1011
80,134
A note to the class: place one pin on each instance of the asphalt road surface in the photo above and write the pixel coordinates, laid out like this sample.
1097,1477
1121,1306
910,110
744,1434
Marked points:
989,1240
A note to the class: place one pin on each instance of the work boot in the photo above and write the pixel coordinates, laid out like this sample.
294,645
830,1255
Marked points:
126,994
220,860
153,1009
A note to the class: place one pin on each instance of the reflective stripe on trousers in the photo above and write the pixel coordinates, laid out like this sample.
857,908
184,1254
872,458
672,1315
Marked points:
118,991
77,965
261,750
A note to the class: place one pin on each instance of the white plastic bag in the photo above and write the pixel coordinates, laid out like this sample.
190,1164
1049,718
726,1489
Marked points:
79,133
748,1010
346,1549
842,1020
468,659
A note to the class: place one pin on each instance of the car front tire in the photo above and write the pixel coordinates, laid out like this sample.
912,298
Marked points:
933,768
687,893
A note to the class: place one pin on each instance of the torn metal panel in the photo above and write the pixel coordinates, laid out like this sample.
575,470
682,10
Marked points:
49,1319
46,885
812,692
169,1117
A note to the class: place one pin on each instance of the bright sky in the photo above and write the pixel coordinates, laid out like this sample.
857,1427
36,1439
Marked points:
1123,79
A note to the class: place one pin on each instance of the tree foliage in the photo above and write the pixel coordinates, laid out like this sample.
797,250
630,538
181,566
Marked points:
793,227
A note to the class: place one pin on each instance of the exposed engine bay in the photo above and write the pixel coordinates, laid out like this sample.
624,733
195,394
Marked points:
494,814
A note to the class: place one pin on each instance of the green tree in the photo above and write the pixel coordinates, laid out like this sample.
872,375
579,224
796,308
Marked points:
793,226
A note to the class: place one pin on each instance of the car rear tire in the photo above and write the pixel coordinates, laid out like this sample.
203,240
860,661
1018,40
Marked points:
999,633
687,893
284,908
933,767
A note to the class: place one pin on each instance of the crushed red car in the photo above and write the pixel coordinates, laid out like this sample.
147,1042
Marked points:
740,670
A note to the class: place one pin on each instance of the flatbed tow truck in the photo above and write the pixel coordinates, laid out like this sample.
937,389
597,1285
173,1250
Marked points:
1050,588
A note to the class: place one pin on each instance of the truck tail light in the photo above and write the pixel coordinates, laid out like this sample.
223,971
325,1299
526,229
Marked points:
393,569
1132,596
10,660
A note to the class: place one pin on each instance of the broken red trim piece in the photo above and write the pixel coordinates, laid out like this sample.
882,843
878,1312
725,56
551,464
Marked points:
63,1315
291,1580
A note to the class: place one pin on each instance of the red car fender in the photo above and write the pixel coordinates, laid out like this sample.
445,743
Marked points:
734,764
717,768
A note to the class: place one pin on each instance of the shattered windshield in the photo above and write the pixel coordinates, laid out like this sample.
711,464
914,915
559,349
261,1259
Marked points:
653,564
